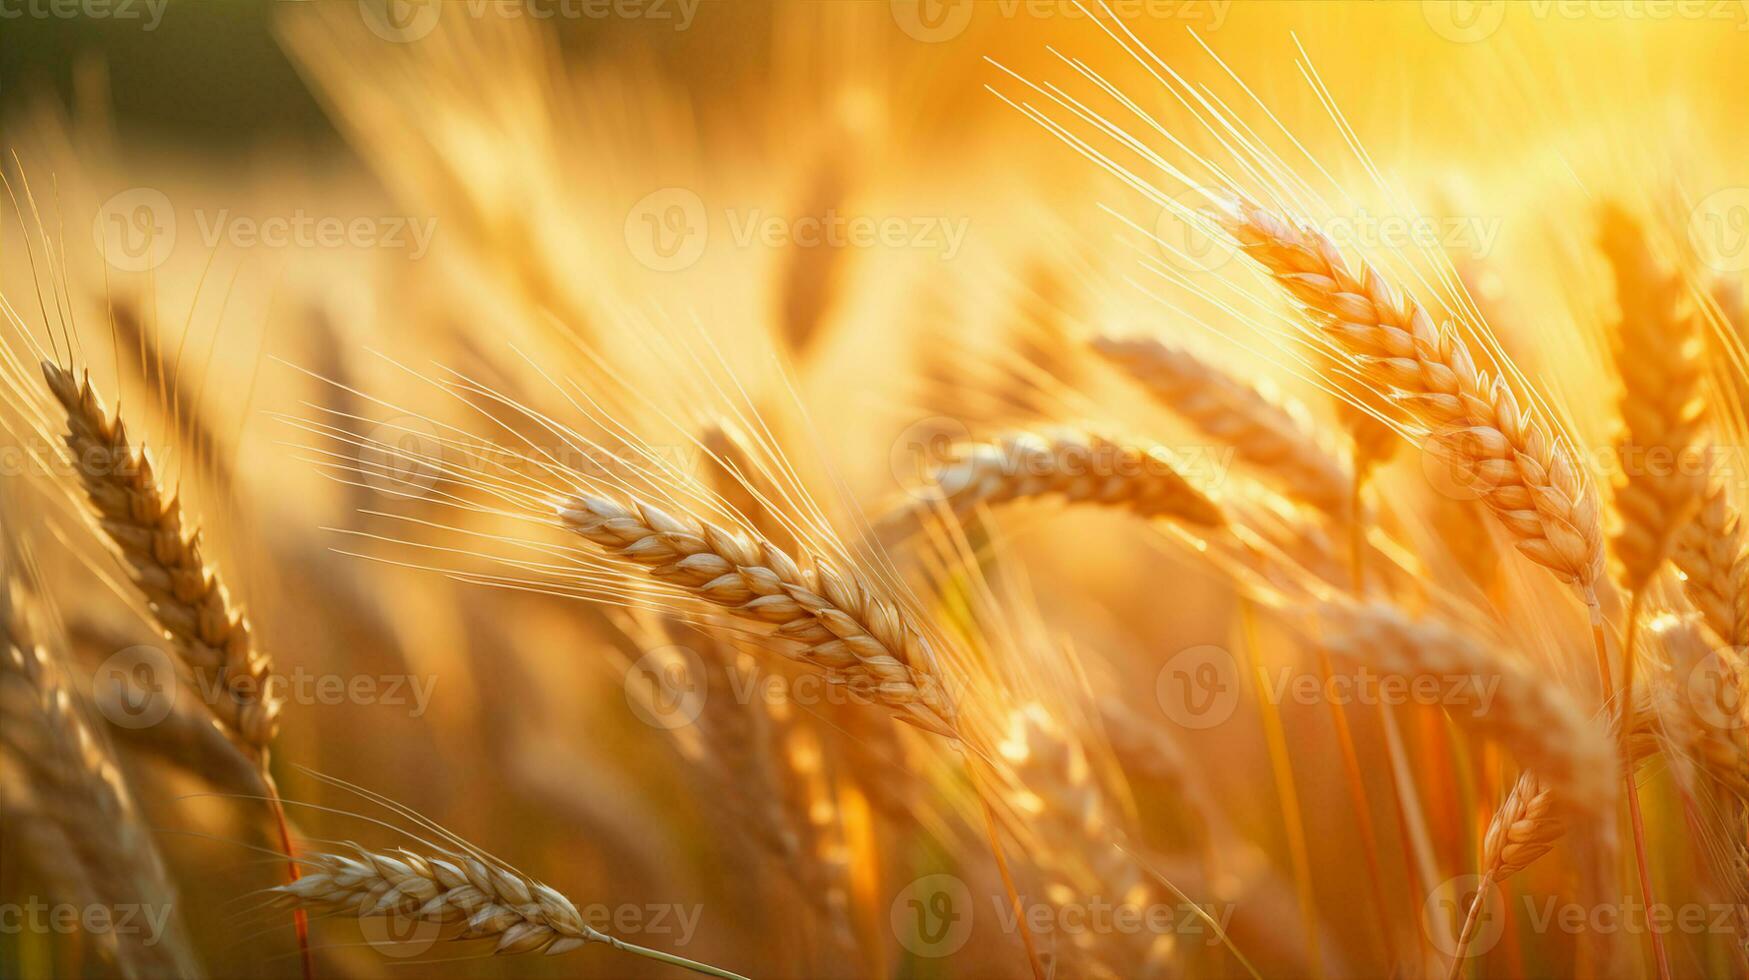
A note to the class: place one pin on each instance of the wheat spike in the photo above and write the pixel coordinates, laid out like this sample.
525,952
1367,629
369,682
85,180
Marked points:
188,601
1081,468
835,620
1060,798
1527,826
466,895
1273,436
1533,718
1658,352
1526,475
96,839
1712,552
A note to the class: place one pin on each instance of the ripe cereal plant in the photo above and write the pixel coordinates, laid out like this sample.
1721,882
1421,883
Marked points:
1276,438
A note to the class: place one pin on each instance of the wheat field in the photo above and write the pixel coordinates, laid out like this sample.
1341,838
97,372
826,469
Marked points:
921,489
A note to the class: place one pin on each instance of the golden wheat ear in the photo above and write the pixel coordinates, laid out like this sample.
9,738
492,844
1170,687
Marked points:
163,556
835,619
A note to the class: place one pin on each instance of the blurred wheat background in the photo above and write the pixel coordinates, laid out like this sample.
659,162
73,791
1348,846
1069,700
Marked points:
939,488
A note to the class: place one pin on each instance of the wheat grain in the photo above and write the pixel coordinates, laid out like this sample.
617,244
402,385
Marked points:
188,601
1274,436
465,895
1658,353
1525,474
835,620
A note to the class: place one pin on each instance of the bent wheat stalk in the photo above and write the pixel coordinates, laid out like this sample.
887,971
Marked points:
1270,435
1079,467
463,895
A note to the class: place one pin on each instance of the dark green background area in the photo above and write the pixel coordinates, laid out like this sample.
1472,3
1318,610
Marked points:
211,73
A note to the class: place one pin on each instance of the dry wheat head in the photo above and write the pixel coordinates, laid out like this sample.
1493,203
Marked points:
1524,473
189,602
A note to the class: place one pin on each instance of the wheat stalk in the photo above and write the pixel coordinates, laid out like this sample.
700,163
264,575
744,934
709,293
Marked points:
1274,436
1658,353
836,621
1526,475
465,895
164,557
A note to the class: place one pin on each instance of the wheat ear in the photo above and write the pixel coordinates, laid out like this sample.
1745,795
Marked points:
463,894
1658,353
164,557
1526,475
1712,552
1274,436
96,839
836,621
1080,468
1539,724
